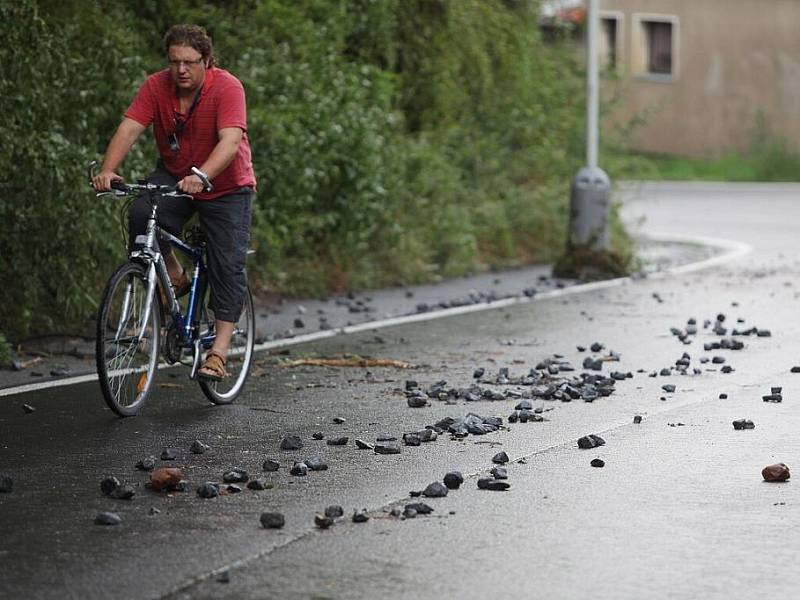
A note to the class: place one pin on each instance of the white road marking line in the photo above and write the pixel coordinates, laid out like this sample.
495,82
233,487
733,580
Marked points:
733,251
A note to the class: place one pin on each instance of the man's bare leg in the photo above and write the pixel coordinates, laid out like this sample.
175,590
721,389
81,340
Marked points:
174,268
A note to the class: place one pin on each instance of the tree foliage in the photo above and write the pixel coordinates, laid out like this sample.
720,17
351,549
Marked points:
395,141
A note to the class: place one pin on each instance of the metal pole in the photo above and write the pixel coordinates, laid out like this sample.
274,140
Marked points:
592,84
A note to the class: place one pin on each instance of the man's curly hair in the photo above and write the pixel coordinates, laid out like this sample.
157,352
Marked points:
193,36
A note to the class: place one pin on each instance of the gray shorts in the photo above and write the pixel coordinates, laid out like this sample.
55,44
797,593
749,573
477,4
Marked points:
226,223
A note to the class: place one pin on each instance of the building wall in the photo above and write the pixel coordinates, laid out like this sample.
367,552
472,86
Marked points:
731,60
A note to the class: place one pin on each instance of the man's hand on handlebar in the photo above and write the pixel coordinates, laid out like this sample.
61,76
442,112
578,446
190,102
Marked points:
102,181
191,184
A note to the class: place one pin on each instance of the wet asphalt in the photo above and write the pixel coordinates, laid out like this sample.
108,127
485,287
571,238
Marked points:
678,511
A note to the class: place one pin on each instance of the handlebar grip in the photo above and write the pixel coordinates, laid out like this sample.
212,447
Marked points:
119,185
207,187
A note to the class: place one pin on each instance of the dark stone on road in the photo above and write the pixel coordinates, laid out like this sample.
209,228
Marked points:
411,439
362,445
318,435
776,472
6,484
339,420
500,458
236,475
478,373
322,521
107,518
109,484
28,408
300,469
147,464
272,520
453,480
385,437
417,401
524,405
744,424
334,511
409,513
435,490
387,449
723,396
590,441
169,454
772,398
360,516
208,490
637,419
492,484
499,473
338,441
270,465
291,442
257,484
598,462
411,385
316,464
795,369
122,492
163,478
420,507
233,488
198,447
668,387
224,577
513,417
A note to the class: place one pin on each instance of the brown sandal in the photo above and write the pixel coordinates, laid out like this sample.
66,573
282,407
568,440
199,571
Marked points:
213,368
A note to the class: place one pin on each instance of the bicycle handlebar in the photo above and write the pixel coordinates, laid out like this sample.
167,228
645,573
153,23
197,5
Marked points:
124,189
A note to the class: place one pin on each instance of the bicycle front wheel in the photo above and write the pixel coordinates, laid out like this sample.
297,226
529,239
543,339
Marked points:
127,346
240,358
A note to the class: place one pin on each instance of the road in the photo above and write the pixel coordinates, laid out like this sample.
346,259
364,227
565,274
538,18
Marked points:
679,510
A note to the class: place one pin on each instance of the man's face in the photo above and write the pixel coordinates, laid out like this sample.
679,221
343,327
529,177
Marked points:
187,67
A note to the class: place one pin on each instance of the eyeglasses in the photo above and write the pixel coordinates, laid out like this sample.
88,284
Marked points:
177,64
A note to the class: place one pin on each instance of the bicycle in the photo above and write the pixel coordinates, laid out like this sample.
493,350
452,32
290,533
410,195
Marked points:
129,322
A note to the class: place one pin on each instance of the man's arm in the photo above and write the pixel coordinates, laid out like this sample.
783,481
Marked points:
219,159
119,146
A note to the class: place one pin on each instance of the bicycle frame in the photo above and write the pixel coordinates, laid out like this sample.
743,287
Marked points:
187,326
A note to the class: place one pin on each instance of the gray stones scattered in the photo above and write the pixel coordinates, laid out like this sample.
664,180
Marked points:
590,441
743,424
270,465
208,490
362,445
299,469
453,480
435,490
147,464
236,475
598,462
338,441
6,484
108,519
316,464
169,454
499,473
492,484
258,485
323,521
334,511
272,520
198,447
387,448
500,458
360,516
420,508
291,442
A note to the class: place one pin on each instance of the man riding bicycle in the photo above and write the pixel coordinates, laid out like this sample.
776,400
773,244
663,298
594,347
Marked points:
198,115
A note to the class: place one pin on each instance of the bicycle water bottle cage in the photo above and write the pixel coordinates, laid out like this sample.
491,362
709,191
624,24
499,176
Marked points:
195,236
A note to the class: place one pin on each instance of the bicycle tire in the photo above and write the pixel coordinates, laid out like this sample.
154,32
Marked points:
240,358
127,362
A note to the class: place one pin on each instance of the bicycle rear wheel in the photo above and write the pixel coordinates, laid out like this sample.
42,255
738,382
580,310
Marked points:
127,347
240,357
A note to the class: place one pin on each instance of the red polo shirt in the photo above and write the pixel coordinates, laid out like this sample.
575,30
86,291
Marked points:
221,104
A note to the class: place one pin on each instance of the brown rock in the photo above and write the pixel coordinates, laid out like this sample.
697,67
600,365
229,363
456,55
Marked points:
163,478
776,472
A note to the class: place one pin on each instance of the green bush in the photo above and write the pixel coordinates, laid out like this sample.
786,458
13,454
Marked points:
395,141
